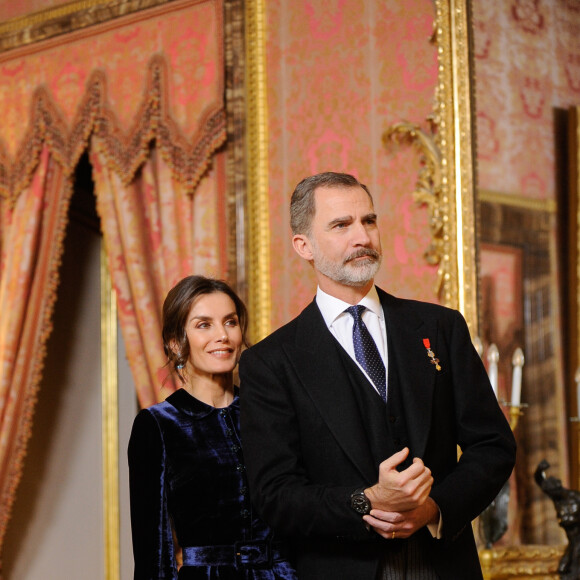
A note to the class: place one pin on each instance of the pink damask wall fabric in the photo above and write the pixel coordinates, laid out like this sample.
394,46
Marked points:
339,74
527,63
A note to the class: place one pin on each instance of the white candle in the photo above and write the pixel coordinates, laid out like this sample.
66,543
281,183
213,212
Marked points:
492,360
518,363
577,379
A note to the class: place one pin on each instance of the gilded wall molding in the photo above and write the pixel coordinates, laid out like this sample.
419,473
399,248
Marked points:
110,423
428,189
45,24
258,239
514,200
520,562
446,183
236,169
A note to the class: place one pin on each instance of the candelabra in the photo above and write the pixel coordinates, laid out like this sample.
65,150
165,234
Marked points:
493,522
514,405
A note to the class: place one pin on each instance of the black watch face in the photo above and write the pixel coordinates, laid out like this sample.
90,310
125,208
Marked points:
360,503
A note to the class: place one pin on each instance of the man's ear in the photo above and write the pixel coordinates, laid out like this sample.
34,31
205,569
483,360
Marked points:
301,245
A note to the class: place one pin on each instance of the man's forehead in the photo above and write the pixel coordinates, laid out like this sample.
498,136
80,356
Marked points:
325,189
341,197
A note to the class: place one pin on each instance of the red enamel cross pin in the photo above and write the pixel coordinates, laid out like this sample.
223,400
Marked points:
431,354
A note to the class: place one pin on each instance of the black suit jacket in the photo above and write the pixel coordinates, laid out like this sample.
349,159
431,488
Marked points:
306,443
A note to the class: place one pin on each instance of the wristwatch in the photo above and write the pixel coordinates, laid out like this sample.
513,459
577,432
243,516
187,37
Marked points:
359,502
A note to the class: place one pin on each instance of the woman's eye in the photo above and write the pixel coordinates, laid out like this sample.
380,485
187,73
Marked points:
203,325
232,322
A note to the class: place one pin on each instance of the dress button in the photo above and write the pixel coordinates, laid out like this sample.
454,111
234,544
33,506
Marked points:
235,448
223,412
245,514
243,490
240,467
229,432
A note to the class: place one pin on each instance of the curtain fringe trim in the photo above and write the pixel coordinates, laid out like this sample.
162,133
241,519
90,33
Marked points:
16,463
125,154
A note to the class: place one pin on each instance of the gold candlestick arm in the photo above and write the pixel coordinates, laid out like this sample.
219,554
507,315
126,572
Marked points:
515,413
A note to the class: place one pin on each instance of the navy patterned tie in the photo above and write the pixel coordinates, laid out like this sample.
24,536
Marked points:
366,351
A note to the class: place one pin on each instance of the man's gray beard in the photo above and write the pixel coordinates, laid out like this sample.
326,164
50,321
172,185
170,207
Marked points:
349,273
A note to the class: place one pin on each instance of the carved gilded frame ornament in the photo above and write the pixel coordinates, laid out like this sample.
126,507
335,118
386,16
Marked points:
446,182
66,18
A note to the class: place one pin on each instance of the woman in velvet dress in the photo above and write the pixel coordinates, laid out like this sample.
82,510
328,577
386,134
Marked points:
187,474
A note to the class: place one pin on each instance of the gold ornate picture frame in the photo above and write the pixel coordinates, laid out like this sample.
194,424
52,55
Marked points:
448,152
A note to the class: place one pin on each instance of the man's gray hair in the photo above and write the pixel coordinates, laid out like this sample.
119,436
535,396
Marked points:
302,204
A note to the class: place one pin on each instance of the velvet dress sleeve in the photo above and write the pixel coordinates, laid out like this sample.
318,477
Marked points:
150,523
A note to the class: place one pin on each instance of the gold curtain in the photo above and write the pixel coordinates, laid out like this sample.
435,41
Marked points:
32,246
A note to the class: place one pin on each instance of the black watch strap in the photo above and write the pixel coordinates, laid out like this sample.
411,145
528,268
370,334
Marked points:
359,502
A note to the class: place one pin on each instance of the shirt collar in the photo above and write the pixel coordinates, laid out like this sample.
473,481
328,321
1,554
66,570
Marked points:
331,308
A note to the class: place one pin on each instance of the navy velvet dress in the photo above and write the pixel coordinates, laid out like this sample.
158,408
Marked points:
187,477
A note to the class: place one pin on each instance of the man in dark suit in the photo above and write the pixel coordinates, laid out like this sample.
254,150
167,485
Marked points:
352,413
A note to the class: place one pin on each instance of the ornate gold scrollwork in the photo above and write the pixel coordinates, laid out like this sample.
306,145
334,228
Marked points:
428,188
539,562
446,181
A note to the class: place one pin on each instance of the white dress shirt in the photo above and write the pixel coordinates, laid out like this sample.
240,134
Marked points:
340,324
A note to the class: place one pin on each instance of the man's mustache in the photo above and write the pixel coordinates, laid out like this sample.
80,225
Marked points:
361,253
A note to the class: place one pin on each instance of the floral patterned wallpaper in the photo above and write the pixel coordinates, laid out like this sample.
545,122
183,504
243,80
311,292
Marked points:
527,64
340,73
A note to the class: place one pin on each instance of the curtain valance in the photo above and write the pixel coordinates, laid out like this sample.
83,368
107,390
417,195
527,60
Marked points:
105,81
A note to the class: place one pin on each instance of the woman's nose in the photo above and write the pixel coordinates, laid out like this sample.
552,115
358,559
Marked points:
222,335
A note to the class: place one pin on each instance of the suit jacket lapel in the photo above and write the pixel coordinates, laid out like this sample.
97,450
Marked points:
416,374
318,364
